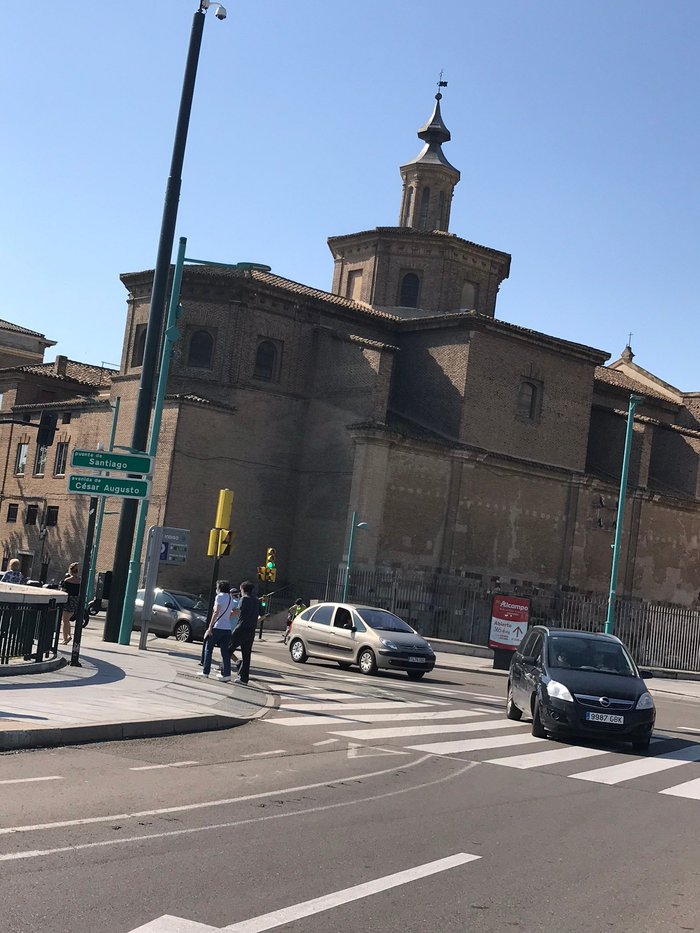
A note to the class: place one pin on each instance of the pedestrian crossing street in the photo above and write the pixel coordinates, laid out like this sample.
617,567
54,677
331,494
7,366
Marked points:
457,723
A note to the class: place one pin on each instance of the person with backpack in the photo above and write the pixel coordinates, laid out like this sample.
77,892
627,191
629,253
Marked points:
218,634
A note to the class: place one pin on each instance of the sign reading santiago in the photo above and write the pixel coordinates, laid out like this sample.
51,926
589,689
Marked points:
109,460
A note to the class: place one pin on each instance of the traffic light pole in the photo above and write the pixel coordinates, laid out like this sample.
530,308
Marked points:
84,575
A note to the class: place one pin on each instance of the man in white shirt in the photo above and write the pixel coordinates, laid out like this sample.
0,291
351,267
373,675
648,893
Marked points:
218,635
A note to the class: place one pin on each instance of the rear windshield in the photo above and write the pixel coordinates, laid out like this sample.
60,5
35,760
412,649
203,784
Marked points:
383,621
589,654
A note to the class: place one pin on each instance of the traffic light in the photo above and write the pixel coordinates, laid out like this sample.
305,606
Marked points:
271,565
224,543
262,574
47,429
220,542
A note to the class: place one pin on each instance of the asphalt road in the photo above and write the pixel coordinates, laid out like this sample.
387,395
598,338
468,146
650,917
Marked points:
359,804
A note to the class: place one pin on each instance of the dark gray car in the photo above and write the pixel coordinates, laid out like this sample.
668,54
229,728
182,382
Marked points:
182,615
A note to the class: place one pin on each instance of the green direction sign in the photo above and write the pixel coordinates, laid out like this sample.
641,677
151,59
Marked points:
109,486
111,460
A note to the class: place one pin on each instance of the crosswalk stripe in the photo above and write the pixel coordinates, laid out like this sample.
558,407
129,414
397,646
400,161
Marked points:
321,720
427,730
339,707
326,695
640,767
475,745
543,758
690,789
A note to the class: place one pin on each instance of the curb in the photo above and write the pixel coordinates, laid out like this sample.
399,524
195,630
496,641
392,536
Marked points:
51,736
33,667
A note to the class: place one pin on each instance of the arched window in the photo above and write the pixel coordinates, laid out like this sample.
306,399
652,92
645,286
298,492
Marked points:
441,218
529,397
409,205
410,285
200,350
468,300
139,345
424,205
266,361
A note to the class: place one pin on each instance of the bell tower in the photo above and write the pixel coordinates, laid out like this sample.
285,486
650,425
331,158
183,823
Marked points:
429,180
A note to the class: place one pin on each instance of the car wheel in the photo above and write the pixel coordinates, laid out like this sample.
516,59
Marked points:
415,675
641,745
344,665
367,661
183,631
538,730
298,651
512,711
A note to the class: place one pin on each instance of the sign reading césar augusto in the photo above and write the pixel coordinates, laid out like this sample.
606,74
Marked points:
509,618
120,486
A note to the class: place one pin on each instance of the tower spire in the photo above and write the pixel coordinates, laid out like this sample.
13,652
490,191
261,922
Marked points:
429,180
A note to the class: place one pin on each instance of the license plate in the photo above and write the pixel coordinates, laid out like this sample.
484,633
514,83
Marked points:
416,660
606,717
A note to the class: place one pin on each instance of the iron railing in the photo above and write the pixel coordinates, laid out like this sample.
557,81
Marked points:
457,608
29,630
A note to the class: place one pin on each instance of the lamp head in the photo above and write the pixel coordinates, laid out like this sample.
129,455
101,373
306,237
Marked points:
219,13
362,525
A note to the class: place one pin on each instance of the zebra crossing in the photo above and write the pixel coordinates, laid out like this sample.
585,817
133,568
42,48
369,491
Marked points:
447,724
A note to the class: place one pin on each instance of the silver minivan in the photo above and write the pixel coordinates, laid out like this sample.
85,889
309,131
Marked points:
373,639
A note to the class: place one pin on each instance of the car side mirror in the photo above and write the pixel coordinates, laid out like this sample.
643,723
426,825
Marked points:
353,628
169,605
646,674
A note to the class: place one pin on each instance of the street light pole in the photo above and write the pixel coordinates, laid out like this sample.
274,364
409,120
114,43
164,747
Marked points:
127,522
610,620
353,526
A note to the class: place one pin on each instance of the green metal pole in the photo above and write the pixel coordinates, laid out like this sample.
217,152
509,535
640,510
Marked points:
610,620
170,336
100,512
346,584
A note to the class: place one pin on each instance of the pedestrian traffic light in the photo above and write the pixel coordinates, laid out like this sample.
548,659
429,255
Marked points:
47,429
271,565
262,574
223,509
224,543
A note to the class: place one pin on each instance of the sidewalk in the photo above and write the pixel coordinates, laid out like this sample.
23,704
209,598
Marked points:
121,692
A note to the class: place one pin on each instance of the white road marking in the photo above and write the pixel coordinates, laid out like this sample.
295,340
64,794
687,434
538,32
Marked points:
278,918
555,756
687,729
402,731
328,695
173,764
690,789
37,853
276,751
52,777
374,717
184,808
338,707
327,742
371,751
640,767
475,745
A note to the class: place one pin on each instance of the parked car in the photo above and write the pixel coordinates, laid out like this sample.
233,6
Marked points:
374,639
182,615
580,683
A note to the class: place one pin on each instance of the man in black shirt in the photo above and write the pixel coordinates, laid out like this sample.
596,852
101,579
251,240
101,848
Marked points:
243,634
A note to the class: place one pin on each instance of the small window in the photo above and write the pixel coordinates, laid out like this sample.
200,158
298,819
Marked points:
468,300
21,459
201,350
51,517
410,286
40,460
61,458
354,289
139,345
12,510
529,400
267,361
65,417
32,514
322,616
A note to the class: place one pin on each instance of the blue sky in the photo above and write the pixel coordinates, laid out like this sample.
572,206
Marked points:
574,125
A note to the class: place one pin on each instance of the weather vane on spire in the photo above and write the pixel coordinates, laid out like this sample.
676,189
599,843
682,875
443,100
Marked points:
440,84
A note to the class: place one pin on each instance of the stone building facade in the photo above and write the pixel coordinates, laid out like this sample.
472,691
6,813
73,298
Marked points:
468,444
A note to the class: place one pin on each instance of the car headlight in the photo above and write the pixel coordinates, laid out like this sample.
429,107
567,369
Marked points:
558,691
389,644
645,701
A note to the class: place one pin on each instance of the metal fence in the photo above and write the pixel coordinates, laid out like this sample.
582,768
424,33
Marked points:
29,631
459,609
